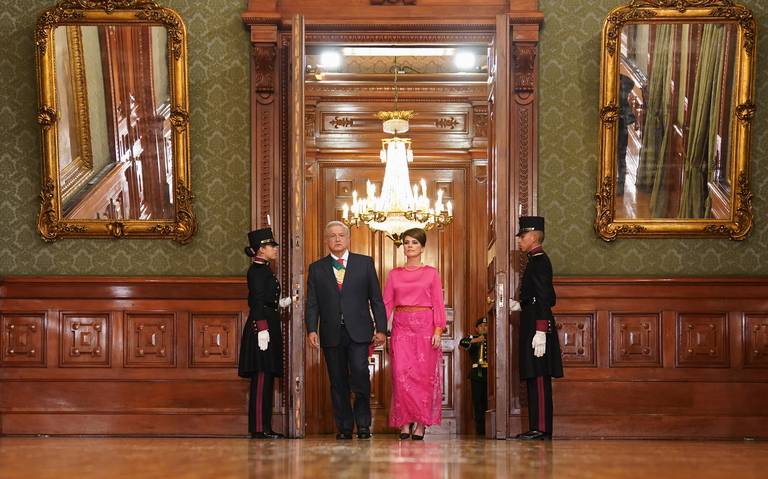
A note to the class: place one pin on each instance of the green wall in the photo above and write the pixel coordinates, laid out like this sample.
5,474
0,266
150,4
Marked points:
219,101
568,127
220,149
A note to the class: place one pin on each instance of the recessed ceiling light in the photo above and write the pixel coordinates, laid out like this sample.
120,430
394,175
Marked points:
465,60
330,59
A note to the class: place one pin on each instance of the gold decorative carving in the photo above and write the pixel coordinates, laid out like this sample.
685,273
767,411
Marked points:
75,13
609,114
745,112
116,229
739,223
46,116
604,225
172,22
524,58
46,22
618,18
449,123
643,10
185,225
179,119
109,5
264,69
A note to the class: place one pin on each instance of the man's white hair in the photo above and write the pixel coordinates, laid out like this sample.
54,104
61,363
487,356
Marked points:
333,223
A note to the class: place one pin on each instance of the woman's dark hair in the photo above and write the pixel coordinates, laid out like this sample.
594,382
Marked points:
250,251
418,234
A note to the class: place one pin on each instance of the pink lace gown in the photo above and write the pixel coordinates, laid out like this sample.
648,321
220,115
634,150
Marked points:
416,371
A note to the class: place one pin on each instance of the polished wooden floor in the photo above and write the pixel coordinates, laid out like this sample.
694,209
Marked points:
381,457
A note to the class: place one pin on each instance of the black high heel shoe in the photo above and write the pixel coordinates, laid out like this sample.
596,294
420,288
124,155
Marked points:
406,435
417,437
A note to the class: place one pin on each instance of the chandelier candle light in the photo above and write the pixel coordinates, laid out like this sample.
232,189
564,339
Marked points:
400,206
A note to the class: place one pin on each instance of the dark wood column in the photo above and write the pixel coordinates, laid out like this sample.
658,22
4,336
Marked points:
523,111
265,131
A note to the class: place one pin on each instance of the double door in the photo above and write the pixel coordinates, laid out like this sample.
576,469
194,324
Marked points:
445,250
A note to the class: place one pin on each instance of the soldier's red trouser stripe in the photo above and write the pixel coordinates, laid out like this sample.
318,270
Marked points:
260,403
542,405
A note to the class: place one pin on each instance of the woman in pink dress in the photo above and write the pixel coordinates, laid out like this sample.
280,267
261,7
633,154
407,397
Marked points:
414,295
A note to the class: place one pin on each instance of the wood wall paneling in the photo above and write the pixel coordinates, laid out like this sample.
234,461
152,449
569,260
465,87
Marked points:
86,339
672,357
24,338
215,339
755,340
123,356
671,393
635,339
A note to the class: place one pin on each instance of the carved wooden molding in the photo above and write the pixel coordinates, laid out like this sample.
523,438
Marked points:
524,58
264,69
393,2
342,122
448,122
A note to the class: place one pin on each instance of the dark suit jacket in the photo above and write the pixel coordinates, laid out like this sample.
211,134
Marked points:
360,294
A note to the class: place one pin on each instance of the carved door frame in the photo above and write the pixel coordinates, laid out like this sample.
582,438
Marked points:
276,174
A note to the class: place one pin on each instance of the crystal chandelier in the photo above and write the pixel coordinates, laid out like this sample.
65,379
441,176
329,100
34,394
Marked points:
401,205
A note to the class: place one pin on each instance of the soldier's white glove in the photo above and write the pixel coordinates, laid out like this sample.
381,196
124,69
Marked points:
263,339
514,305
285,302
539,343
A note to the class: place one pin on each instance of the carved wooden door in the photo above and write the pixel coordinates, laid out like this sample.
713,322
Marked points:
498,246
294,381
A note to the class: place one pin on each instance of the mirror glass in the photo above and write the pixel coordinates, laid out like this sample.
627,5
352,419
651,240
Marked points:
675,120
115,155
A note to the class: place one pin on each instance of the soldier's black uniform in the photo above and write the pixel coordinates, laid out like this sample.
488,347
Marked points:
537,297
478,376
262,367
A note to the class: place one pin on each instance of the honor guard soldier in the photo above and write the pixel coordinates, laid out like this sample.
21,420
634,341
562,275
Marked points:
539,346
477,345
261,345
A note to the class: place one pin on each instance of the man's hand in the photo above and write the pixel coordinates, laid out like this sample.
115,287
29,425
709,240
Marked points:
285,302
314,340
263,339
379,339
539,343
514,305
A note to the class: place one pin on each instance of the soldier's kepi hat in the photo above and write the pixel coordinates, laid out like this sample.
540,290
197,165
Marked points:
530,223
259,238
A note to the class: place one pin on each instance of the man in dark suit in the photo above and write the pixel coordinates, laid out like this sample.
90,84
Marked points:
343,290
539,346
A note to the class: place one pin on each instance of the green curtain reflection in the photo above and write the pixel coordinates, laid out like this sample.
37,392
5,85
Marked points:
701,147
656,131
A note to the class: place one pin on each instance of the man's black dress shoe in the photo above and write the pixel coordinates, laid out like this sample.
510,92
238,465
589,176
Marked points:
363,433
534,435
344,435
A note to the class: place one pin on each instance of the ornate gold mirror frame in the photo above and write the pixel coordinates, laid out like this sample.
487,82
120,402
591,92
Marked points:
674,159
142,187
